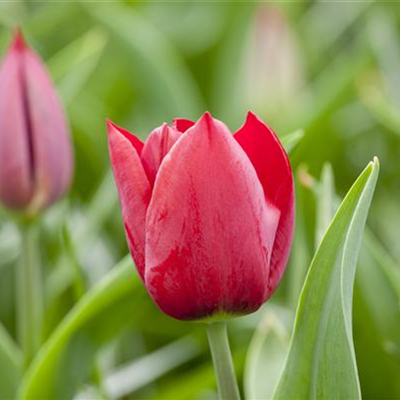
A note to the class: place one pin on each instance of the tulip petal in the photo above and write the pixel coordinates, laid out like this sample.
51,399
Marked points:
49,130
135,142
273,169
157,145
182,124
16,169
133,188
207,233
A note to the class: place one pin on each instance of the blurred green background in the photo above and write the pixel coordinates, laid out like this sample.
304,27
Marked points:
329,68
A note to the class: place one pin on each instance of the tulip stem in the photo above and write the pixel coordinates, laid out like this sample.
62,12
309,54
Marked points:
222,359
29,293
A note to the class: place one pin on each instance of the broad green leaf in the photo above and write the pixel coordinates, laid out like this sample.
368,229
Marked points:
384,267
10,365
267,354
321,361
40,377
377,273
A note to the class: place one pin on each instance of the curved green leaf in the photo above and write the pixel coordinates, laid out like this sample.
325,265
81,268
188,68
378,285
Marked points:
10,365
321,361
267,353
115,286
377,273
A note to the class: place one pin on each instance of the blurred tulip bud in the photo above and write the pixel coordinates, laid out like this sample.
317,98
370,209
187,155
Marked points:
273,67
36,161
208,216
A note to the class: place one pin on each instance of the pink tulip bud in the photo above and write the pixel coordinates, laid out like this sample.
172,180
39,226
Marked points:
35,150
208,215
273,64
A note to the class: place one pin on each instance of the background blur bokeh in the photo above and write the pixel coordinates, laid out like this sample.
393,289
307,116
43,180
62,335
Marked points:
331,69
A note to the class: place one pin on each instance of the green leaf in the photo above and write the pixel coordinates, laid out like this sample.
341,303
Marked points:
303,244
321,361
138,373
267,353
10,365
326,204
385,261
162,73
376,350
376,306
380,108
40,378
228,99
9,244
102,205
73,65
291,140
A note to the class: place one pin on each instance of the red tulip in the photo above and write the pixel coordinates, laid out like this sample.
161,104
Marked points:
208,216
35,150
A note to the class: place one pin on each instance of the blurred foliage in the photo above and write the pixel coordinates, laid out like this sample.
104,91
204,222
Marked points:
330,69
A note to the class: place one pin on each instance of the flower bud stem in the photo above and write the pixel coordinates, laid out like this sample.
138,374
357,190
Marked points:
29,293
222,359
